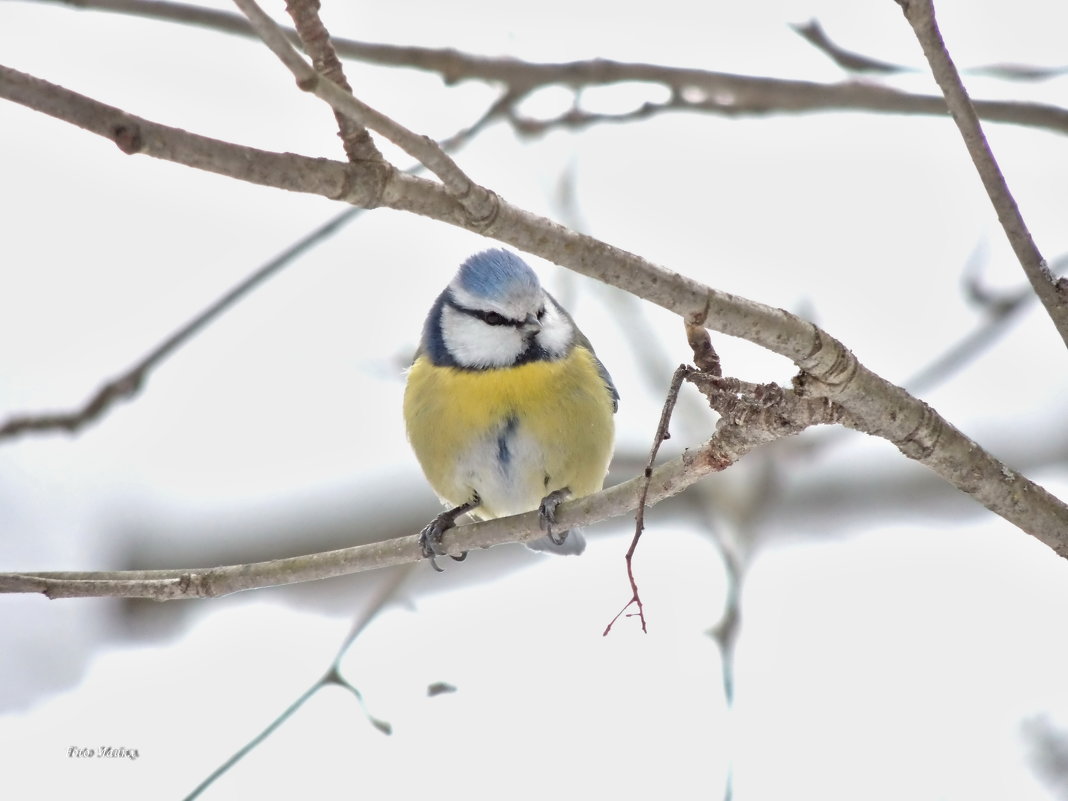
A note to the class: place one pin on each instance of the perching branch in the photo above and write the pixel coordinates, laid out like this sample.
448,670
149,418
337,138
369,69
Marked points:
1051,292
737,435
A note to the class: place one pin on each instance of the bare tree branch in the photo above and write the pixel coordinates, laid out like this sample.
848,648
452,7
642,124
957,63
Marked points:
725,448
829,369
754,415
1052,292
360,184
132,380
702,90
316,41
478,202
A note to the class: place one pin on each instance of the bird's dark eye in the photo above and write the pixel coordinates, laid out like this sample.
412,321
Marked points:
493,318
541,313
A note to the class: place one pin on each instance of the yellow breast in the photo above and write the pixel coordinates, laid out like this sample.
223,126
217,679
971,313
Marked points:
511,435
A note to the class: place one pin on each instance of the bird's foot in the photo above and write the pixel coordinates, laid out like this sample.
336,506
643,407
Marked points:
430,536
547,514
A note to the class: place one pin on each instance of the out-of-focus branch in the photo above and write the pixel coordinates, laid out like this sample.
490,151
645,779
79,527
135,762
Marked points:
702,91
998,311
813,33
829,369
1051,292
1047,747
388,593
132,380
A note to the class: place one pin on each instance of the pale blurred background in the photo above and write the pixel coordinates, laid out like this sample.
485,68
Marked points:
889,639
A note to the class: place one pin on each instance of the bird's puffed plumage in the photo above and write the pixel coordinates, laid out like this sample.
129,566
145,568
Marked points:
506,402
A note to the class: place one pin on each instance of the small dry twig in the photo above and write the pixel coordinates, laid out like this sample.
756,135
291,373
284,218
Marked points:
661,435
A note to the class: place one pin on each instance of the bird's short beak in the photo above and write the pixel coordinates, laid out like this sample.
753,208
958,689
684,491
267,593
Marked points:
531,324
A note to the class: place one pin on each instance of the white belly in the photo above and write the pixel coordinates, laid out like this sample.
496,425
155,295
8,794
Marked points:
507,468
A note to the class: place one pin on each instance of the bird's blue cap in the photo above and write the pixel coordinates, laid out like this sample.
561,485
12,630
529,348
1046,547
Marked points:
496,275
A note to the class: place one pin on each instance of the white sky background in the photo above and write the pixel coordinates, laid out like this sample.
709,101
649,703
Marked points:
886,652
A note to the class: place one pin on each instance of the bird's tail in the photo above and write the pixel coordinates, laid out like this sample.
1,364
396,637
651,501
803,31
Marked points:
574,543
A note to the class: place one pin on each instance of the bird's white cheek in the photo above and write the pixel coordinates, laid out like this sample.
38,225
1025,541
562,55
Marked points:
556,334
472,343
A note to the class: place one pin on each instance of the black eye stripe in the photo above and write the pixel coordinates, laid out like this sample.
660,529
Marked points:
488,317
493,318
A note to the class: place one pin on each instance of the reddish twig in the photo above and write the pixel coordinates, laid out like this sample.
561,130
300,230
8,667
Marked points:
662,434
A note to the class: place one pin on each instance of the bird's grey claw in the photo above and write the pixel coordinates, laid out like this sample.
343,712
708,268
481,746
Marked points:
547,514
430,536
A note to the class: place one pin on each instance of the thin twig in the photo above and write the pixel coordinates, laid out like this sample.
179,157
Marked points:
478,202
1053,293
316,41
662,434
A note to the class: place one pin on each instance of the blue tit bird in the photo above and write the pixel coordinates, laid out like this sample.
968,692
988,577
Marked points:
506,406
